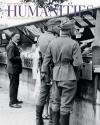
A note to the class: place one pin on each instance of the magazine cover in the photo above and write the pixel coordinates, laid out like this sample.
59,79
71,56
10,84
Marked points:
49,62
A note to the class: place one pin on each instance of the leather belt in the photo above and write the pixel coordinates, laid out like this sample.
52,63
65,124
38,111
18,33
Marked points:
63,63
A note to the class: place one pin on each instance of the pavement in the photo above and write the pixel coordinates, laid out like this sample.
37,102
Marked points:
13,116
83,113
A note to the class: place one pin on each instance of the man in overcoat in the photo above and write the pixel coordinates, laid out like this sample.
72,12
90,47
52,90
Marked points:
14,68
66,56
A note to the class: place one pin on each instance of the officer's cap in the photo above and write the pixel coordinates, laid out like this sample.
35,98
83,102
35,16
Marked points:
67,25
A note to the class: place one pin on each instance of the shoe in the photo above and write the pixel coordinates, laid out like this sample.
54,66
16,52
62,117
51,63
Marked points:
19,102
15,106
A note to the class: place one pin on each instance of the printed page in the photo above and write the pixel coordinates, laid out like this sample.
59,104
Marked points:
49,62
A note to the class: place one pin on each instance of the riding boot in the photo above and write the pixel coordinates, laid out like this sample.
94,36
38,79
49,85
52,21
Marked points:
55,118
50,119
39,111
64,119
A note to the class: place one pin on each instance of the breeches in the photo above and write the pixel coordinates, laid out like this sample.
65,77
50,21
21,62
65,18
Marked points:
63,97
44,93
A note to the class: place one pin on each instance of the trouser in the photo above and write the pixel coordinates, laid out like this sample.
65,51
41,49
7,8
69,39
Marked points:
45,84
13,87
44,93
63,96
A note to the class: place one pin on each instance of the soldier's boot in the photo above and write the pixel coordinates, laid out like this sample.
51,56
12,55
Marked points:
64,119
55,118
39,111
50,119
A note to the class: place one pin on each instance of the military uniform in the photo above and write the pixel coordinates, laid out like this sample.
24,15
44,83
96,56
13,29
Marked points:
66,55
44,41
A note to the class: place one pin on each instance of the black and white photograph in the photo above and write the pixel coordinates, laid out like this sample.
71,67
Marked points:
49,62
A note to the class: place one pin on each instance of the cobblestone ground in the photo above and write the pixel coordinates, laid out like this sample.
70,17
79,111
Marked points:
12,116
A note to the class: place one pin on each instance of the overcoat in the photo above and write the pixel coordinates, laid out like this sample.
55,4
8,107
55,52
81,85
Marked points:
14,63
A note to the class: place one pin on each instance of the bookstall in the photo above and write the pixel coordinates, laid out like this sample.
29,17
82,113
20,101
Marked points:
86,36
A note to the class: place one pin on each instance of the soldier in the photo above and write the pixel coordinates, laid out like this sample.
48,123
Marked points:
44,41
66,56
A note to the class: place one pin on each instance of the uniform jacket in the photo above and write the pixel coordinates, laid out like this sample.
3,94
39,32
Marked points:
44,41
60,51
14,63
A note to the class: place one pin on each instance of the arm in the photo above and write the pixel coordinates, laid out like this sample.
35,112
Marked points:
77,56
77,60
47,60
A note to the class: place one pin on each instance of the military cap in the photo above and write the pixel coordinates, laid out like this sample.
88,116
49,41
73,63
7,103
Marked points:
53,21
67,25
